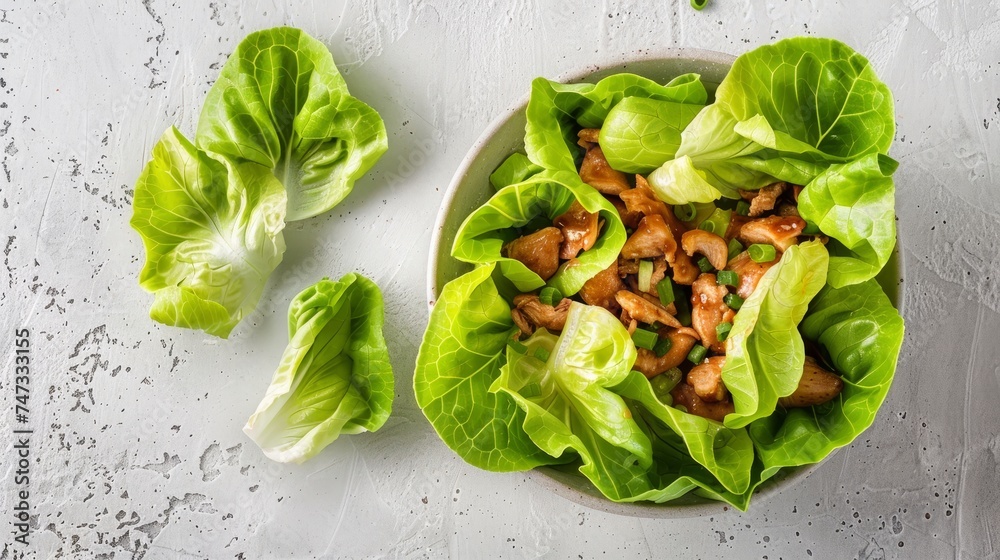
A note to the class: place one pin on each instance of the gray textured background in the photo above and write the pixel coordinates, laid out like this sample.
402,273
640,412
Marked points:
138,447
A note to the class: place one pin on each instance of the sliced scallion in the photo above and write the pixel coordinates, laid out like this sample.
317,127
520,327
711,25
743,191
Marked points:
665,289
697,354
762,253
685,212
645,339
735,248
662,347
727,278
550,296
733,301
722,331
645,275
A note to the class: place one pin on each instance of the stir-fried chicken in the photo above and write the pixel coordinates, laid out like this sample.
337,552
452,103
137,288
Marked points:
681,342
644,310
706,379
763,200
651,239
589,135
596,172
816,386
780,231
538,251
602,288
708,310
530,313
749,272
685,395
629,218
579,229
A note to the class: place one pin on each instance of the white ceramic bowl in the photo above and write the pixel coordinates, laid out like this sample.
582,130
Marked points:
470,188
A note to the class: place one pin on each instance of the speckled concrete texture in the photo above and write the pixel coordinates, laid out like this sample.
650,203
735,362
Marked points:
137,450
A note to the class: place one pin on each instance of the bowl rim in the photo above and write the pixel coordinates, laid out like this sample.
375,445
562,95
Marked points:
787,476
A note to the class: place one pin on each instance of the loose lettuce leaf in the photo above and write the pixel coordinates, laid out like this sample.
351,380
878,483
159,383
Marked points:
861,332
460,357
567,402
556,112
785,112
514,169
764,352
854,204
640,134
334,377
212,233
280,102
549,194
726,454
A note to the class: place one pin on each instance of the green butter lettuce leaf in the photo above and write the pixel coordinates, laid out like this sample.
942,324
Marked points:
556,112
460,357
640,134
811,92
854,203
764,351
861,332
562,384
726,454
483,234
788,112
212,234
280,102
515,169
334,377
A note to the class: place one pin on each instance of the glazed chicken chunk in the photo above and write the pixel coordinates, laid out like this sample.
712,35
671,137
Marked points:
596,172
780,231
579,229
538,251
530,313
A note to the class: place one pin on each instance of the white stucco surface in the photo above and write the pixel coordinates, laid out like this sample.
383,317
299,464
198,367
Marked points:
137,448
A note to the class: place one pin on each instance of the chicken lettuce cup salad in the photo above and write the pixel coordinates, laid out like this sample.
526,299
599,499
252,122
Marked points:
672,295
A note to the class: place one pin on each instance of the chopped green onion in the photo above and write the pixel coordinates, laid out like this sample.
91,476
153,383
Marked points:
733,301
665,289
811,228
645,275
645,339
550,296
667,399
517,347
743,208
681,408
727,278
683,307
698,4
542,354
722,331
704,265
685,212
531,390
665,382
717,222
662,347
762,253
697,354
735,248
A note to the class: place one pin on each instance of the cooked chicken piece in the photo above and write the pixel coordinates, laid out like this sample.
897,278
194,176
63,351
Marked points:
651,239
684,270
629,218
712,246
627,266
579,228
685,395
589,134
706,378
780,231
763,200
787,209
749,272
601,289
736,223
530,313
816,386
643,199
596,172
708,310
644,310
538,251
659,273
681,342
796,190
